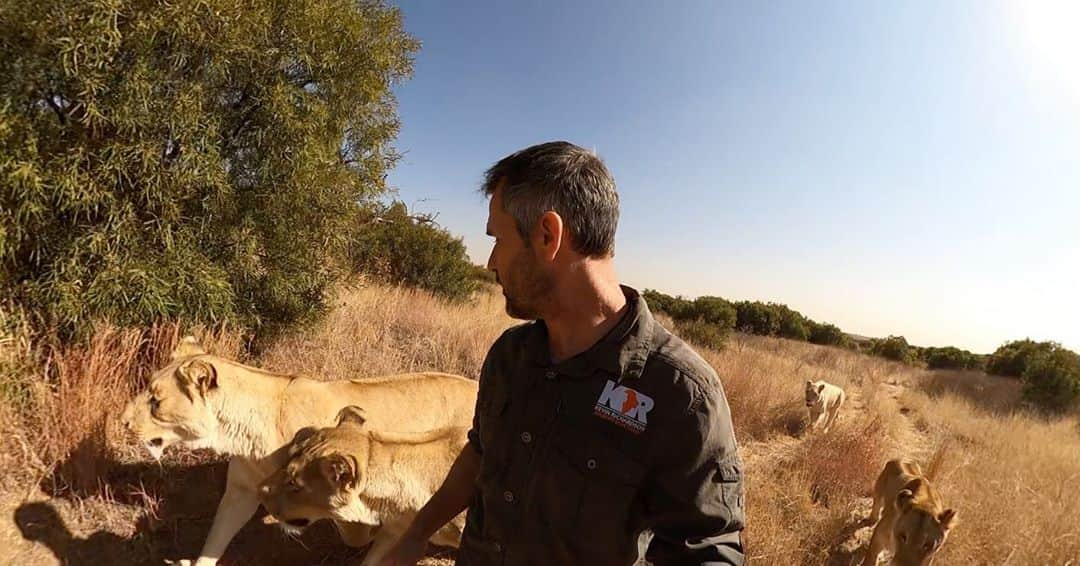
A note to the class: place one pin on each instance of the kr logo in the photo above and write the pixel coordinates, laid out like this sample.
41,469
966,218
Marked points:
624,407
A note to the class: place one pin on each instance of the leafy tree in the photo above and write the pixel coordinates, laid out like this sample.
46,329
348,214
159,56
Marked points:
893,348
1012,358
394,246
1052,379
190,158
950,357
757,318
826,334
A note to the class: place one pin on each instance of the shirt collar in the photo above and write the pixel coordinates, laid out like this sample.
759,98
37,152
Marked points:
622,351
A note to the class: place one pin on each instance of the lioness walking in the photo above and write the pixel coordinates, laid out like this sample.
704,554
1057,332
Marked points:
205,401
352,474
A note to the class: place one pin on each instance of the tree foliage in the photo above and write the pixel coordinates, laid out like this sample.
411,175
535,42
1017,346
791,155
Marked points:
1012,358
193,158
1052,380
894,348
394,246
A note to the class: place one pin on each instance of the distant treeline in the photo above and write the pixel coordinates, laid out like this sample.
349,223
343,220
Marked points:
1051,373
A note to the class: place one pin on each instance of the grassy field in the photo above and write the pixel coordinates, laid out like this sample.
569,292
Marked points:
75,490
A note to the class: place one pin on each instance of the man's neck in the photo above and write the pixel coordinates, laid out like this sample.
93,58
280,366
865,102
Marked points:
585,307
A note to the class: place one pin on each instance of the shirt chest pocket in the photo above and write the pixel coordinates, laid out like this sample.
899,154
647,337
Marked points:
493,409
591,487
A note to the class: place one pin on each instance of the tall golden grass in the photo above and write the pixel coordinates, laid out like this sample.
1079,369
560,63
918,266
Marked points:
1008,473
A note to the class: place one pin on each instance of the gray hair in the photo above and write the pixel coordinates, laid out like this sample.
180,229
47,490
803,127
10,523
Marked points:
567,179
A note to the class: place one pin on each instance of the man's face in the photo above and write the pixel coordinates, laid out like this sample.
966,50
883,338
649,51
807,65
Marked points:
525,281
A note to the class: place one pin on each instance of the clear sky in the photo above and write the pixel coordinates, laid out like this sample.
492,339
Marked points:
892,167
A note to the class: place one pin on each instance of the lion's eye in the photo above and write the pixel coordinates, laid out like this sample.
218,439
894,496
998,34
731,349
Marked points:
903,537
292,485
154,403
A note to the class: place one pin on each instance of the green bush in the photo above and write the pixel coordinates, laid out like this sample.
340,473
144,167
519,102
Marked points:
757,318
893,348
826,334
393,246
1052,380
1012,358
793,324
950,357
702,333
189,159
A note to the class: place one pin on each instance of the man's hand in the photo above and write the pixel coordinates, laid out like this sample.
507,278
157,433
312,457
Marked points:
408,550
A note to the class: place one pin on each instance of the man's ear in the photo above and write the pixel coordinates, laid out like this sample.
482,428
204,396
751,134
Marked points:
351,414
199,374
550,235
188,346
339,470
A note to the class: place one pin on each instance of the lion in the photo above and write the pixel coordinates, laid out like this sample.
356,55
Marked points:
353,474
912,523
205,401
823,400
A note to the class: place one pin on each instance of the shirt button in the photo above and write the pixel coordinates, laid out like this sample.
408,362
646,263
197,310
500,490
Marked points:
526,437
550,374
508,496
591,463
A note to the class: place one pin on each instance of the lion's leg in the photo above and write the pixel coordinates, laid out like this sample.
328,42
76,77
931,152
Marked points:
384,541
879,506
234,510
877,544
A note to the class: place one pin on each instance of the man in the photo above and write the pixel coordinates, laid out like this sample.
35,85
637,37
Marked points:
593,423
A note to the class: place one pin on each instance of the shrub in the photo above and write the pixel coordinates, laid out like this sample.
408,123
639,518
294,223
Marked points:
196,160
702,333
1052,380
893,348
826,334
395,247
950,357
1012,358
757,318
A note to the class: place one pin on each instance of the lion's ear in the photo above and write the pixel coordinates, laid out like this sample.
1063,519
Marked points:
947,518
339,470
351,414
199,374
188,346
821,388
905,499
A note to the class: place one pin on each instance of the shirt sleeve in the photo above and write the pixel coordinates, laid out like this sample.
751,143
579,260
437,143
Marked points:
695,508
482,395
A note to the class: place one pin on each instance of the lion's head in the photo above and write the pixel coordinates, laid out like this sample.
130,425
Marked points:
813,392
175,407
324,473
921,525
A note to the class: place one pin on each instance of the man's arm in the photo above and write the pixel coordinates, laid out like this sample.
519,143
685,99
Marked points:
696,508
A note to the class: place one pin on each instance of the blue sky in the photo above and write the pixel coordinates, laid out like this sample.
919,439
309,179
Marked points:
895,168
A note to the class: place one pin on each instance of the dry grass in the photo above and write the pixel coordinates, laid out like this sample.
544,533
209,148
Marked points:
386,330
807,493
1013,479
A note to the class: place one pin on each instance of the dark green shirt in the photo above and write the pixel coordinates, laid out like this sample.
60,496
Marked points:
578,458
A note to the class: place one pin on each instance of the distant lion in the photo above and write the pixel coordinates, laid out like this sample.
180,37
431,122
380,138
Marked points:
350,473
205,401
912,523
823,400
